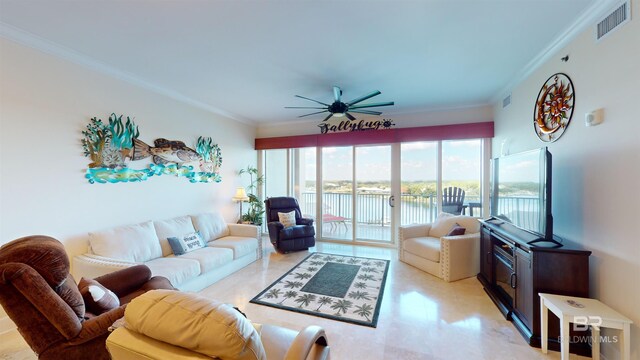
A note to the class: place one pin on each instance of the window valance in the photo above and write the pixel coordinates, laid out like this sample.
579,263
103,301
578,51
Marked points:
423,133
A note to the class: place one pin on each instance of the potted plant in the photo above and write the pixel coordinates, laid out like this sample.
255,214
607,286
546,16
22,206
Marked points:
256,206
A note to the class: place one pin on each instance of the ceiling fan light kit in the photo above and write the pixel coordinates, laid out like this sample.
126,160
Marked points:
339,109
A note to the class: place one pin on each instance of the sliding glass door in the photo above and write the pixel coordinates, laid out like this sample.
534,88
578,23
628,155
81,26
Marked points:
349,190
419,184
373,212
462,168
356,191
304,181
276,180
336,201
428,167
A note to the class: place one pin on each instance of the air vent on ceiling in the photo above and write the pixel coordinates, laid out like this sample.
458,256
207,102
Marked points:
506,101
614,20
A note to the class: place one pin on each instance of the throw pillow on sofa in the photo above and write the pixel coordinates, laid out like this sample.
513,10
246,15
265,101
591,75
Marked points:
210,225
97,298
175,227
186,243
133,243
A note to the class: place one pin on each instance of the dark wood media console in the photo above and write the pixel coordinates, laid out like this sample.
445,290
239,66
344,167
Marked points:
513,272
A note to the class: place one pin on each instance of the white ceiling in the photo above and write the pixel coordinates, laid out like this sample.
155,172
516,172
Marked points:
248,59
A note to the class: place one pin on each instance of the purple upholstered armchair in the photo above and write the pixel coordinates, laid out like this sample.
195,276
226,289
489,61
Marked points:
295,238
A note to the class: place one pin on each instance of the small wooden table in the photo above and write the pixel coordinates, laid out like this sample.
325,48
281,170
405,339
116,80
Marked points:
583,311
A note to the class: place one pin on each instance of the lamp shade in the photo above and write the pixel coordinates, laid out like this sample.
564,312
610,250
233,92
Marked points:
241,195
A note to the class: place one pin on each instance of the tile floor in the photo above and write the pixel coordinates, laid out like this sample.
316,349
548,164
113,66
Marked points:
421,317
344,231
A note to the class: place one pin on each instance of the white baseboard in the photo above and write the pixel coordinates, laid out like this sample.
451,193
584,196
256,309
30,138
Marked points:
6,324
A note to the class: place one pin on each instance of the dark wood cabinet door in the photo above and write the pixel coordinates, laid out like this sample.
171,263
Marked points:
536,268
523,302
486,268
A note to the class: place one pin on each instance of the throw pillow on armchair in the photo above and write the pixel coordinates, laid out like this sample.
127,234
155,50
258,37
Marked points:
97,298
287,219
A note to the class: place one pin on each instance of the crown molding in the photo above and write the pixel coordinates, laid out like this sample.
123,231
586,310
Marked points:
28,39
587,18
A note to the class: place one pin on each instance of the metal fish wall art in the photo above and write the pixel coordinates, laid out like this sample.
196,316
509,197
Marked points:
113,147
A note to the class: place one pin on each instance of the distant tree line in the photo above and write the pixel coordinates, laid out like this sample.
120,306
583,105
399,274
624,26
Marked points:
429,188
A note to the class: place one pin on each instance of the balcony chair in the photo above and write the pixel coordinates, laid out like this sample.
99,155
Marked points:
431,248
43,300
301,236
453,200
174,325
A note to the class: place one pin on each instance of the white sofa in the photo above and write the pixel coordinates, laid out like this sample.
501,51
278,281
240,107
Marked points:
450,258
230,247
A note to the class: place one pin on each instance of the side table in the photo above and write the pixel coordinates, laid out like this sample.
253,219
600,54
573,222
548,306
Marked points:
583,311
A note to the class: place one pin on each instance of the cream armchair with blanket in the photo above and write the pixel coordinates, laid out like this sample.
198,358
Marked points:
176,325
449,257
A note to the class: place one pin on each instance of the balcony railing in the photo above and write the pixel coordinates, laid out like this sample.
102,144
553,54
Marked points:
373,209
522,211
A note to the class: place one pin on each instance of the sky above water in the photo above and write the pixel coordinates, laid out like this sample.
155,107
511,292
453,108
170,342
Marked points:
461,161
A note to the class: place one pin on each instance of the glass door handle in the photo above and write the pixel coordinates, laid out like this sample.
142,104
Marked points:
392,200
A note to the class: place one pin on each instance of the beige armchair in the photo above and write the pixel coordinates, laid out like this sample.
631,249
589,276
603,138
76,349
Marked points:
450,258
177,325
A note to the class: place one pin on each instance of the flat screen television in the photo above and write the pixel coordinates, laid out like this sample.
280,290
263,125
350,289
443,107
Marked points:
521,192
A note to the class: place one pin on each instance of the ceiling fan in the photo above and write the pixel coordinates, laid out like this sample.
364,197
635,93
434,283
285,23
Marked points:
339,108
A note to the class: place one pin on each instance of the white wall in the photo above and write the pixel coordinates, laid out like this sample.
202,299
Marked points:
596,171
427,118
46,102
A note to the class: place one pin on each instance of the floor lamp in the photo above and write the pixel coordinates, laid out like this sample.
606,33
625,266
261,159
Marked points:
240,196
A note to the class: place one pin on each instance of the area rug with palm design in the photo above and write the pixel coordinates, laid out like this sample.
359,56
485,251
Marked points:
345,288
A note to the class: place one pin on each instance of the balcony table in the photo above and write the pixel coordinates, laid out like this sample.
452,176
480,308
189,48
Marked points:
474,205
333,220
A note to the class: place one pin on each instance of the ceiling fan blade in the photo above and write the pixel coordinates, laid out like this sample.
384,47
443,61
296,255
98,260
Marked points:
388,103
351,117
328,117
363,98
366,112
337,93
303,107
319,112
306,98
